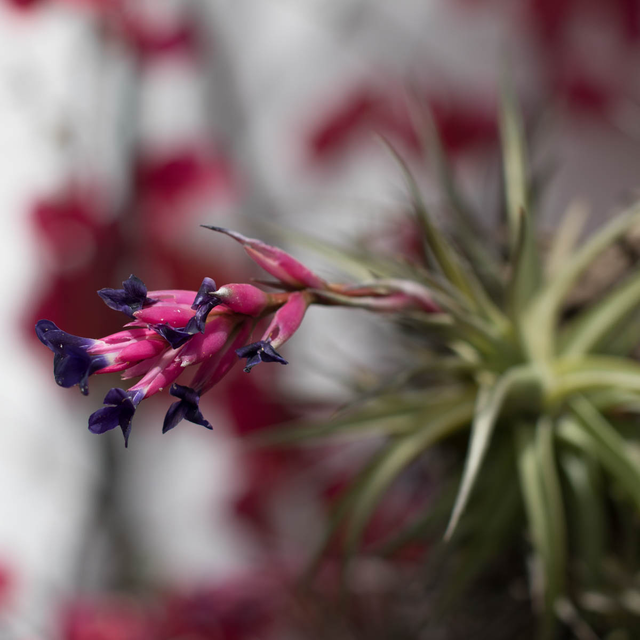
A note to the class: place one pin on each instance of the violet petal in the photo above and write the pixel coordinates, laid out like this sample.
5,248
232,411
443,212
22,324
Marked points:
121,405
204,301
175,337
72,365
186,409
129,299
258,352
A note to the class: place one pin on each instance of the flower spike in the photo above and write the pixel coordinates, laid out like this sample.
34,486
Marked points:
174,329
129,299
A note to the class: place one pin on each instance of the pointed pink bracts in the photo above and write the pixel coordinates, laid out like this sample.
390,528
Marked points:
244,298
276,262
287,319
285,323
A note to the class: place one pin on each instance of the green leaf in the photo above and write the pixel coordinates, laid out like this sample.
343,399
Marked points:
461,278
397,456
625,338
525,261
539,516
489,403
466,229
565,238
591,373
526,275
585,484
544,309
545,448
391,416
616,399
515,165
595,324
481,539
607,444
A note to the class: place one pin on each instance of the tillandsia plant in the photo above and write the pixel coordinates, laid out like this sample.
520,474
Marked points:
545,400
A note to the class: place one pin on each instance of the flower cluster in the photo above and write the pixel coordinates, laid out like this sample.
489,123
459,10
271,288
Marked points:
170,330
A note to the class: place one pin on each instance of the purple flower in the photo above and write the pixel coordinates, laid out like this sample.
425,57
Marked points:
285,323
129,299
176,337
187,408
205,300
258,352
121,405
75,358
173,330
72,364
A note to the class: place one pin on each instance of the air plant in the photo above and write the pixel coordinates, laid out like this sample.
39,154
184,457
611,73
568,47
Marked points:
545,399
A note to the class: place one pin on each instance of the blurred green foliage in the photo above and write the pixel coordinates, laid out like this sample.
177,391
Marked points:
547,401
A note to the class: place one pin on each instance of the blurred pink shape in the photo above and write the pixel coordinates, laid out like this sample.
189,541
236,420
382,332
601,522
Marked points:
108,618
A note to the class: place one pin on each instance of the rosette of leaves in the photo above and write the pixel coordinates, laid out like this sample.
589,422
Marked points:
544,403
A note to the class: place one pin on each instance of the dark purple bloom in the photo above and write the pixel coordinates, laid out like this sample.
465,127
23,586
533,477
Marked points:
176,337
121,405
129,299
205,300
203,303
71,363
258,352
186,409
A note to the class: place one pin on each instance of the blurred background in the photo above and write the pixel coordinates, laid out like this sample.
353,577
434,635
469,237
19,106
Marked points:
124,125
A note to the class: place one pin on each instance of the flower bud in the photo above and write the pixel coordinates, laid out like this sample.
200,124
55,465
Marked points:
276,262
244,298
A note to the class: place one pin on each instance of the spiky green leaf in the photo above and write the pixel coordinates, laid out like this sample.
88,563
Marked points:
544,309
588,516
539,518
607,444
398,455
466,228
598,322
462,279
490,400
514,164
391,416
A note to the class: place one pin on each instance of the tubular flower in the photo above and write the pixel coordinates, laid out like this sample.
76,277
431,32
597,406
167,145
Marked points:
158,345
77,358
207,376
285,323
130,298
171,330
